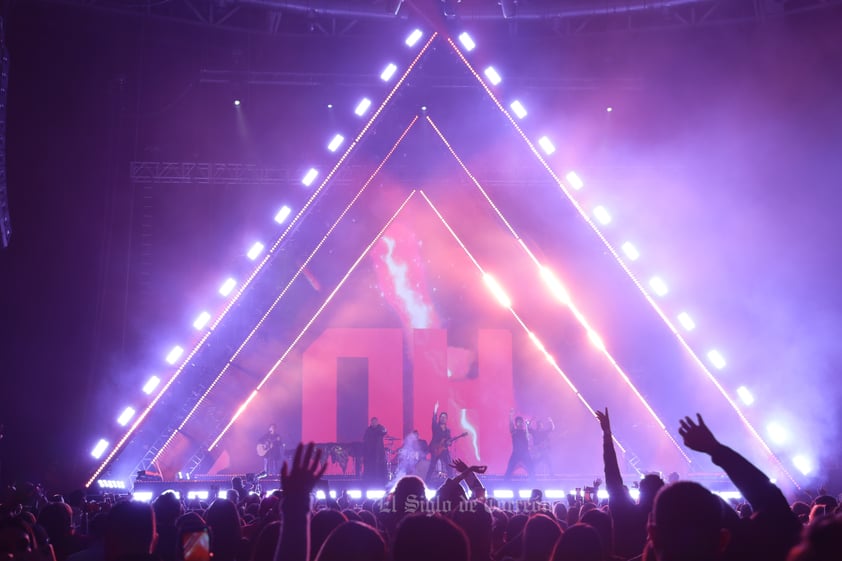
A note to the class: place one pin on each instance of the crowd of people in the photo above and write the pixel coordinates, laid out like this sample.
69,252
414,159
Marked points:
677,521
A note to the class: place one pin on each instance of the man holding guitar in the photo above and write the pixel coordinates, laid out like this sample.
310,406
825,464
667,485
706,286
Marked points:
440,444
270,447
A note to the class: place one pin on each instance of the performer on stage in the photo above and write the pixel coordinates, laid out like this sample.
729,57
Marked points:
374,452
541,449
520,446
440,444
271,448
410,454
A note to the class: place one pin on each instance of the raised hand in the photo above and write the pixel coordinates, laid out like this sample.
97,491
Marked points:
459,465
307,468
436,408
604,420
697,436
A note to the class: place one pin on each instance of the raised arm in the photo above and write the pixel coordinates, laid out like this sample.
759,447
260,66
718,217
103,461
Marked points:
613,479
297,482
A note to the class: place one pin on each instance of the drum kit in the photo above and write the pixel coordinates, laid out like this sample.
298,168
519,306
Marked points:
408,459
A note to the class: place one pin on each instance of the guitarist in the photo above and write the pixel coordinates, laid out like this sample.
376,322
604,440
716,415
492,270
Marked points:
271,448
440,444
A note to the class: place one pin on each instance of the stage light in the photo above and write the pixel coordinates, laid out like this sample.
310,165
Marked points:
320,495
537,342
634,493
609,109
332,494
503,494
142,496
467,41
555,494
729,495
602,215
335,142
555,286
658,286
283,214
355,493
414,37
596,340
309,177
745,395
519,109
174,354
524,493
547,145
362,106
430,494
574,180
227,286
602,494
394,6
201,495
492,75
497,290
99,449
222,494
716,359
255,250
388,72
803,464
236,103
151,384
201,320
686,321
777,433
375,494
630,251
125,416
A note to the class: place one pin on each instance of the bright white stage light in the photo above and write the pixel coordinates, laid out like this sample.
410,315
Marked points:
630,251
467,41
414,37
99,449
227,286
524,493
555,286
658,286
602,215
201,320
237,103
430,494
777,433
283,214
574,180
686,321
596,340
555,494
320,495
125,416
332,494
309,177
504,494
492,75
602,494
803,464
388,72
716,359
174,354
729,495
635,493
142,496
519,109
255,250
355,494
609,109
745,395
222,494
547,145
497,290
335,142
362,106
151,384
201,495
375,494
